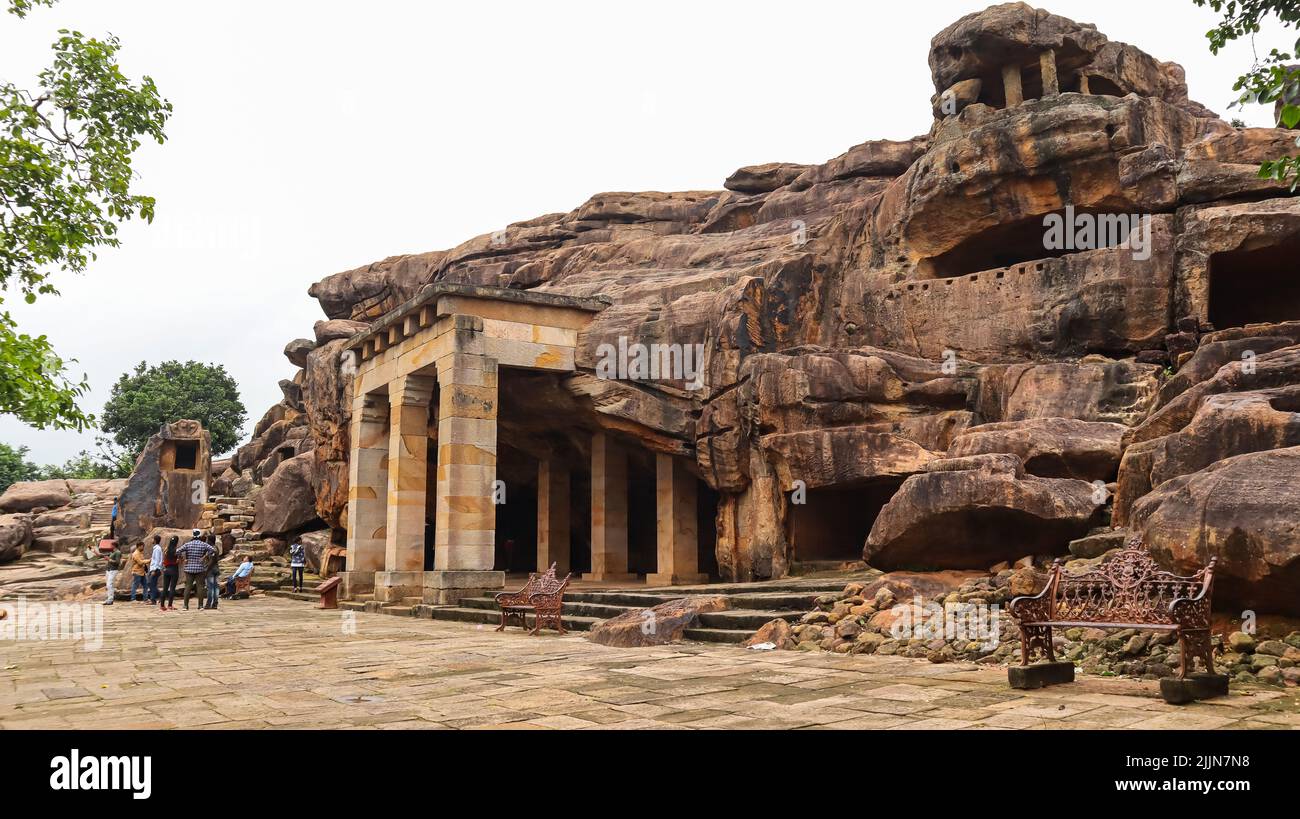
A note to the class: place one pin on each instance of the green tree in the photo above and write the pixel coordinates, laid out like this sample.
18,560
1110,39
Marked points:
15,467
1272,80
84,466
145,399
65,185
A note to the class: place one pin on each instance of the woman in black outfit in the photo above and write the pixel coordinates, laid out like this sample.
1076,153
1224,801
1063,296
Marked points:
170,572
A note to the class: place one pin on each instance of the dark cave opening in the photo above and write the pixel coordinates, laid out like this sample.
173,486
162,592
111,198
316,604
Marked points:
834,522
1028,240
516,518
1255,286
642,513
706,504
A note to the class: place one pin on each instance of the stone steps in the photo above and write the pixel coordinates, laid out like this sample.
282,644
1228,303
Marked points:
748,620
751,605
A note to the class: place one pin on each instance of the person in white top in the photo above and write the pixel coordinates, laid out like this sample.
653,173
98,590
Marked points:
155,570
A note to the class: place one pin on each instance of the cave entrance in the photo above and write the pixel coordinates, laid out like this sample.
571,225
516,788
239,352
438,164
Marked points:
186,455
1103,87
516,511
642,513
833,524
706,503
580,520
1255,286
1029,241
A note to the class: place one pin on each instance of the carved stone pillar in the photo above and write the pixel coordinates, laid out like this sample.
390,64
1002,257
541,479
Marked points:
608,510
678,524
367,493
408,466
553,533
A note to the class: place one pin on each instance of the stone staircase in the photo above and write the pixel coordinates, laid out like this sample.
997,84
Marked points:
751,605
101,515
227,515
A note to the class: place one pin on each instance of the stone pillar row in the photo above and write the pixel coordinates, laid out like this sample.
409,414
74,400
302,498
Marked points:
388,490
1013,84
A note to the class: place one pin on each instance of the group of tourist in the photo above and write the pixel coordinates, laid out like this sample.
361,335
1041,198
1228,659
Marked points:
197,559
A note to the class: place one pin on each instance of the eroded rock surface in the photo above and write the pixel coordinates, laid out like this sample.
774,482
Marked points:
892,355
655,626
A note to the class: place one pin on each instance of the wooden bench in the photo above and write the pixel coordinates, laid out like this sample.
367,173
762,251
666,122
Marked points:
1128,591
543,595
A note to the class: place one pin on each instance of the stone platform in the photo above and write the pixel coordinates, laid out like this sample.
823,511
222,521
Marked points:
266,662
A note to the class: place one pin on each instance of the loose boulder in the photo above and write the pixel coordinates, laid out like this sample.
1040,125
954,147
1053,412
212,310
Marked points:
15,536
25,496
287,500
970,513
1241,510
665,623
1049,447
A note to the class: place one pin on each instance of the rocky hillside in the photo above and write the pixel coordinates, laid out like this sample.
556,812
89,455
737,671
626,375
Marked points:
894,332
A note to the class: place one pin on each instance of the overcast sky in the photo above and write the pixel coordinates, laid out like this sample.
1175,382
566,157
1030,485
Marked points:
314,137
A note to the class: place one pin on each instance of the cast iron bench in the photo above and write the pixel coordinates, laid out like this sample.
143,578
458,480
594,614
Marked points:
543,595
1127,591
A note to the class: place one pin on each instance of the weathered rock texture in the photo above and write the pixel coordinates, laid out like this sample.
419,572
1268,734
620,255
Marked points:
63,517
896,365
662,624
169,484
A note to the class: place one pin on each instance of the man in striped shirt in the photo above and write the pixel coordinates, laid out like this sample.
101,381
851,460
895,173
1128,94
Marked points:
194,557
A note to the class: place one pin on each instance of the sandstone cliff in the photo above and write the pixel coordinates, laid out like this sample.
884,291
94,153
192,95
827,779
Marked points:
891,333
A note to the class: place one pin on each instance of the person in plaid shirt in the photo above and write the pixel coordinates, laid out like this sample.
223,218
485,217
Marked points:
194,556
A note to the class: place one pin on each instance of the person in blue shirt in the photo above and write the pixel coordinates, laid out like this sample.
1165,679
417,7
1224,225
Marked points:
244,570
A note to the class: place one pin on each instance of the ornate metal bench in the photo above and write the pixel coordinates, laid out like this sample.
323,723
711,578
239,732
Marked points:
543,595
1127,591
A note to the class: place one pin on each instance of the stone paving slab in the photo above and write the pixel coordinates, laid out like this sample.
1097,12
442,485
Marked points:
276,663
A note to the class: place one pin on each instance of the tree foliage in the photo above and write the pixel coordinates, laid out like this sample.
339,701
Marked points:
84,466
65,186
1273,80
15,467
145,399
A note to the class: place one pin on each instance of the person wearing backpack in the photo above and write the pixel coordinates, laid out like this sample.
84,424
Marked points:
170,574
214,574
297,564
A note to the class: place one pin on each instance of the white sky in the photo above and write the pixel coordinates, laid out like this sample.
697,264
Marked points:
314,137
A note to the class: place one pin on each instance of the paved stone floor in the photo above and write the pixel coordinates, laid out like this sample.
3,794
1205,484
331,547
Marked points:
279,663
